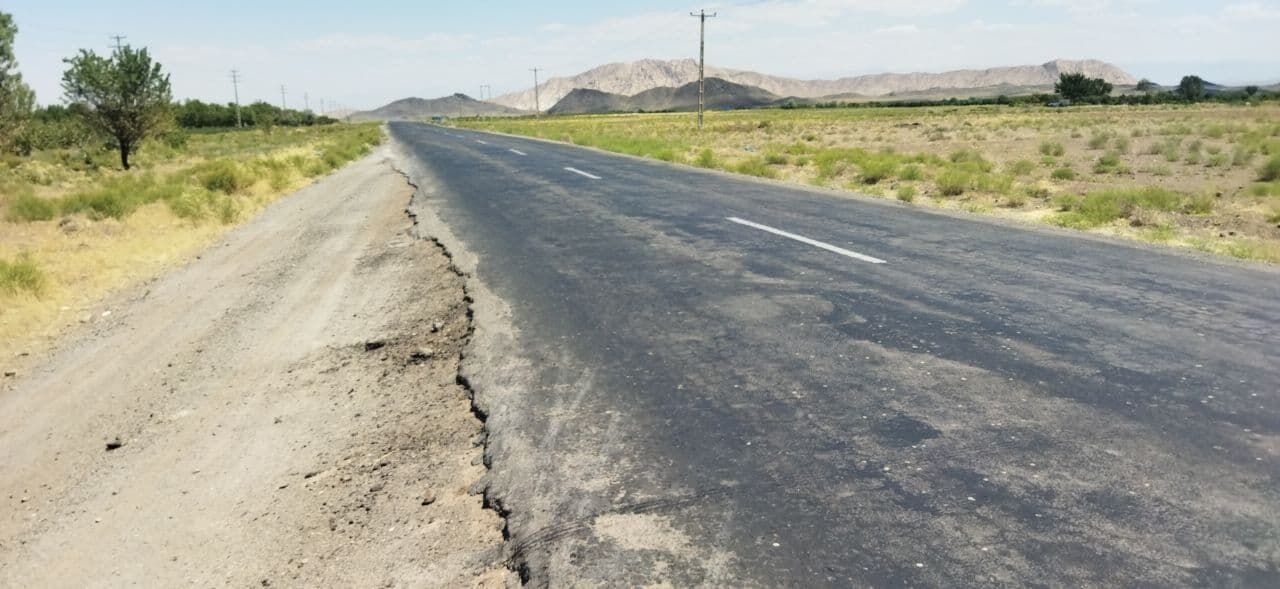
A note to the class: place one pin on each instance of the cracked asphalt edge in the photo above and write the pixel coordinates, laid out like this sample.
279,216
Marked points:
484,372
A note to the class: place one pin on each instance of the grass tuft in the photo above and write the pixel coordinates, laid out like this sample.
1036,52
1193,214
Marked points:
1105,206
21,275
1270,171
954,182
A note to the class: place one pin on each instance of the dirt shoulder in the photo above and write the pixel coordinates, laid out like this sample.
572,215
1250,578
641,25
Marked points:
286,409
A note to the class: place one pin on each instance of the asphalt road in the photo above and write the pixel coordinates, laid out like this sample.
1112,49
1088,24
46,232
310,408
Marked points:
698,379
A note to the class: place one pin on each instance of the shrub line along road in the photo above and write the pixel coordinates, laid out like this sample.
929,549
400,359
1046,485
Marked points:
694,378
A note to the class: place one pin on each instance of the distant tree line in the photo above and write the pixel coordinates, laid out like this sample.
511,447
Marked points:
195,114
1192,89
119,100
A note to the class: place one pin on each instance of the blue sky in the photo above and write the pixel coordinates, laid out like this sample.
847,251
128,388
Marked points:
366,54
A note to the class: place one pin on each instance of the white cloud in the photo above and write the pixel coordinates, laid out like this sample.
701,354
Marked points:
1251,11
897,30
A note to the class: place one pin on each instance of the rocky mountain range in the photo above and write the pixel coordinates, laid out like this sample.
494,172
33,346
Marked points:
629,79
409,109
720,94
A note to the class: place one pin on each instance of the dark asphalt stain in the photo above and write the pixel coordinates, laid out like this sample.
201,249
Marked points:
902,430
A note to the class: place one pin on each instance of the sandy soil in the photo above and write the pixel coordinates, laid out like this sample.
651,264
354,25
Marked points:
283,411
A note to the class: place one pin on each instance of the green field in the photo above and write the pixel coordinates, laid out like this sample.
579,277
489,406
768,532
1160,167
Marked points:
1200,176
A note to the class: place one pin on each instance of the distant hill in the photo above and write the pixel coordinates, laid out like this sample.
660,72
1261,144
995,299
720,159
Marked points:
422,108
720,94
629,79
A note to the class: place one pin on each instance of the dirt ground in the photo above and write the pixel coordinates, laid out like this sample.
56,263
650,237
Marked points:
283,411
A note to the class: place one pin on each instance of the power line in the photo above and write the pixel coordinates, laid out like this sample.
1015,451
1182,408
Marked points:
537,106
702,60
235,83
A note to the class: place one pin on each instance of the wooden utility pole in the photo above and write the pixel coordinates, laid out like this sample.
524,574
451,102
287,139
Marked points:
702,60
537,105
282,105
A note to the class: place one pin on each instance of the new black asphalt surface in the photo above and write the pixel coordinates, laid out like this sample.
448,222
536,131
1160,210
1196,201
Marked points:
686,399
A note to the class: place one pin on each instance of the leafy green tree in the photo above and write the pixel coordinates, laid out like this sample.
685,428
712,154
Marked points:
1079,86
1250,91
1191,89
1145,85
16,98
125,96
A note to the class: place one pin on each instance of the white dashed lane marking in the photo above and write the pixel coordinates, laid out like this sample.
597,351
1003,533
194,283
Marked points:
806,240
581,173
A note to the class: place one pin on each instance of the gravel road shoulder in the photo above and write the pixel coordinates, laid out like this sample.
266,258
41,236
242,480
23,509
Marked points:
283,411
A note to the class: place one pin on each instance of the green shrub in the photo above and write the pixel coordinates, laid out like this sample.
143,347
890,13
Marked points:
1104,206
907,193
776,159
1217,160
875,169
1099,141
911,173
1110,164
1053,149
1270,171
1063,174
21,275
228,210
954,182
1122,144
706,159
1264,189
832,162
1242,156
971,160
119,197
1199,205
1022,168
996,183
29,207
190,204
1037,192
755,167
1066,202
223,176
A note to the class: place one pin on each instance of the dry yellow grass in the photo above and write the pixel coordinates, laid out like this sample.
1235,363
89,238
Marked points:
83,260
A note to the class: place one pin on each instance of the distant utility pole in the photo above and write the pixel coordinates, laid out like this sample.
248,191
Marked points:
306,102
119,39
282,105
702,61
537,105
235,83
